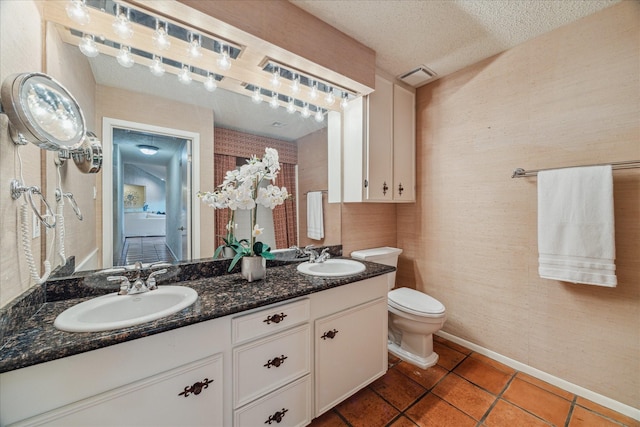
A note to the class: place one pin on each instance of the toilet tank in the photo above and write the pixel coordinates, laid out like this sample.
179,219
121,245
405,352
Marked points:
385,255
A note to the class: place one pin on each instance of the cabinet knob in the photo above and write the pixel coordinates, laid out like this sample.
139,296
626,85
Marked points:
329,334
196,388
276,361
385,187
276,318
277,417
400,189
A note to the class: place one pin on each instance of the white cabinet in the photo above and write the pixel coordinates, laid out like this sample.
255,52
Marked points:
341,341
379,145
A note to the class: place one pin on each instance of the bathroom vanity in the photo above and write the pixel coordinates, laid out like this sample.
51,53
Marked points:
280,351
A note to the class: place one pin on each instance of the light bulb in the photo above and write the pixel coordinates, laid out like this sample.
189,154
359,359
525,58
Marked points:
223,61
295,86
156,67
88,46
330,98
319,116
291,106
256,98
305,111
275,79
124,57
121,25
273,103
314,92
78,12
194,49
161,38
210,83
344,102
184,76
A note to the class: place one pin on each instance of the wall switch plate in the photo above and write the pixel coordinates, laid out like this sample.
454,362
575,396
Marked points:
36,227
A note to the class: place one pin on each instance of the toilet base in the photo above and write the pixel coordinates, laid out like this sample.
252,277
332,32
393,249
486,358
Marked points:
421,362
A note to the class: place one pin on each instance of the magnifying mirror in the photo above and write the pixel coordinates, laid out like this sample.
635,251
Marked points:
42,111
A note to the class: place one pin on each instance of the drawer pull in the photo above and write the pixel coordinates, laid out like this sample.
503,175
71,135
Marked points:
385,187
277,361
196,388
400,189
277,417
330,334
276,318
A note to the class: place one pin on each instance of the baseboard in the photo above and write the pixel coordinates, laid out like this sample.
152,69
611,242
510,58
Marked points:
607,402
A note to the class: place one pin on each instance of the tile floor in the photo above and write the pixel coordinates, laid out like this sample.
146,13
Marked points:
145,250
465,389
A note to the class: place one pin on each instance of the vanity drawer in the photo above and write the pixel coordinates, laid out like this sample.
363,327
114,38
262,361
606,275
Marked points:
269,321
288,406
264,365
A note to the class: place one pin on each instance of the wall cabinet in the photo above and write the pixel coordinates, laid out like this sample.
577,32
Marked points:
281,364
379,145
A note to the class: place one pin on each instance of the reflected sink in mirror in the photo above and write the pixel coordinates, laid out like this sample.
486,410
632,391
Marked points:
332,268
115,311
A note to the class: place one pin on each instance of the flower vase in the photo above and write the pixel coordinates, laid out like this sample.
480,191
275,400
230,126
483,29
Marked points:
228,252
253,268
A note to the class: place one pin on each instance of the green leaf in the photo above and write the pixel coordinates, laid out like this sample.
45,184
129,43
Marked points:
235,260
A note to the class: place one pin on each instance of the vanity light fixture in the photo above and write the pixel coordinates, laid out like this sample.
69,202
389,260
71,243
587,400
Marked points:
148,150
88,46
161,37
295,85
184,76
210,83
275,79
344,102
78,12
273,103
256,98
194,50
330,98
314,91
121,25
157,67
223,60
305,111
319,116
124,57
291,106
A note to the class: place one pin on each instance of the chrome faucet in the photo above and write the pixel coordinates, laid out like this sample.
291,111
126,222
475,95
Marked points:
314,256
138,286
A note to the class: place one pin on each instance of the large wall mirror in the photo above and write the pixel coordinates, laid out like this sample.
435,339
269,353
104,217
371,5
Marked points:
161,140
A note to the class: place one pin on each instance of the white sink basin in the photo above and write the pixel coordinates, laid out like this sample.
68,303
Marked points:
332,268
115,311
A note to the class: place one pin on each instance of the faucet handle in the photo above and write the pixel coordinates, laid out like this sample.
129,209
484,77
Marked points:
151,280
124,283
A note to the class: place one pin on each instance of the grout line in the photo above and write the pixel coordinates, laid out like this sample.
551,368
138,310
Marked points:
498,397
570,414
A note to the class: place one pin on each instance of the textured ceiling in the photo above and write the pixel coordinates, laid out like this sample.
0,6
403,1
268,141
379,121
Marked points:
445,35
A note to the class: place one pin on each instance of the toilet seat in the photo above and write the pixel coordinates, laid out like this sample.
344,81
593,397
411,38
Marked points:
415,302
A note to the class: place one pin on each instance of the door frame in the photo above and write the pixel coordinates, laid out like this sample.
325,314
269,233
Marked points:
108,124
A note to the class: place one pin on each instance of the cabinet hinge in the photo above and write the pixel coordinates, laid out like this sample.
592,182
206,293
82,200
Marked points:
366,183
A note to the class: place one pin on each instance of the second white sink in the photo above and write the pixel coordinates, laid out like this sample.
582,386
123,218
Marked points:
115,311
332,267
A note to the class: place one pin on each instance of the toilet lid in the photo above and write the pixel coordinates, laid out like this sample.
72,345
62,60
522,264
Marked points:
415,302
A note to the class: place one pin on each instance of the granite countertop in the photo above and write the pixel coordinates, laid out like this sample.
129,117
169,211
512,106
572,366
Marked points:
37,340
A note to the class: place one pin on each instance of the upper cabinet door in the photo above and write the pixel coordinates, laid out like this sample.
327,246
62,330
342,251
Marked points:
379,164
404,145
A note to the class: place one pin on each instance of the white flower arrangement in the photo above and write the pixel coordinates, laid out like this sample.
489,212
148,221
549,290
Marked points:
241,190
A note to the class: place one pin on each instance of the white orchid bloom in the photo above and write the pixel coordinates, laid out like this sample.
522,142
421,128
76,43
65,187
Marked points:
256,230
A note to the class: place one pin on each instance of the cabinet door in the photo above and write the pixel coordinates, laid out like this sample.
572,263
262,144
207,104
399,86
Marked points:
351,352
379,157
404,140
191,395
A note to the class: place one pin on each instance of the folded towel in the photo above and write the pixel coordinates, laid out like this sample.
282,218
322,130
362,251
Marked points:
315,221
576,241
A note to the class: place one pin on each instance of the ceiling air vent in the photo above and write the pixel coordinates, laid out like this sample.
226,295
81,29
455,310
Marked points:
418,76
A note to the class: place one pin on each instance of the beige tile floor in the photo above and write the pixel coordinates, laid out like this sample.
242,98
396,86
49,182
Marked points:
465,389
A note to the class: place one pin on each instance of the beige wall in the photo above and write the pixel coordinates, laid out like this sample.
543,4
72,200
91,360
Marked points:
136,107
312,176
571,97
21,46
368,225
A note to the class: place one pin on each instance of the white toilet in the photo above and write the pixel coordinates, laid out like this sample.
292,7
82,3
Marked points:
413,316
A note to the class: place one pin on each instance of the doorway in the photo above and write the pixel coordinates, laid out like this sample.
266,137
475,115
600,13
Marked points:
149,175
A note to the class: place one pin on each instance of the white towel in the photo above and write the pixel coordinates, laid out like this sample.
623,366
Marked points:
315,221
576,241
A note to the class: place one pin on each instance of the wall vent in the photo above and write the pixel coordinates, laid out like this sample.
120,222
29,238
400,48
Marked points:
417,77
